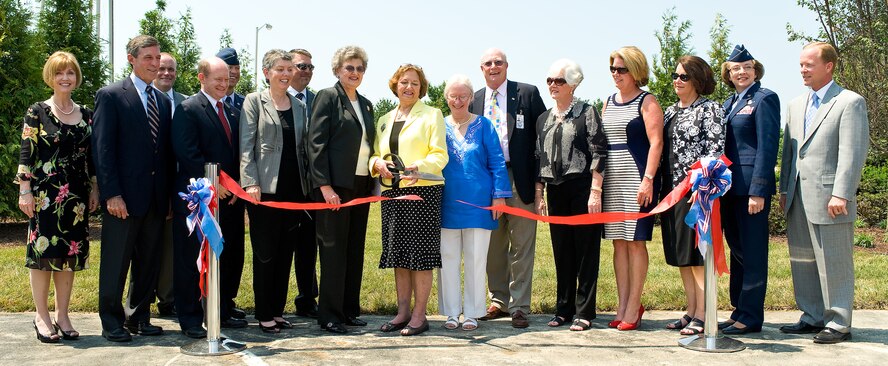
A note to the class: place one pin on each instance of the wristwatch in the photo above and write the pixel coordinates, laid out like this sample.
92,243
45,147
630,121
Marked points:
24,192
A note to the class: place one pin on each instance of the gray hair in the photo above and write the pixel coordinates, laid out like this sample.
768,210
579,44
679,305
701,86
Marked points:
457,80
491,51
273,56
573,74
346,53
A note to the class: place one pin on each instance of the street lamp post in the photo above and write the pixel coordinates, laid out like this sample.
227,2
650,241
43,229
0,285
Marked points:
256,61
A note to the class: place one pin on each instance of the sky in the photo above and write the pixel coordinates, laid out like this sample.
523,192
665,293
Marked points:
449,37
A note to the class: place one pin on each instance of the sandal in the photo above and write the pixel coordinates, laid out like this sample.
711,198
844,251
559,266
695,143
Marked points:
556,321
68,335
451,323
693,328
470,324
680,323
580,325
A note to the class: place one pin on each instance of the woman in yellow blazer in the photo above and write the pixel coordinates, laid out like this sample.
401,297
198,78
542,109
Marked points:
411,230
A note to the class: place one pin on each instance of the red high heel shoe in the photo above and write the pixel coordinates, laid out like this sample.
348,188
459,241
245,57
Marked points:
614,323
632,326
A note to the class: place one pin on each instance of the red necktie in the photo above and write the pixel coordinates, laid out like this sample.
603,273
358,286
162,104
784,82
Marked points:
220,110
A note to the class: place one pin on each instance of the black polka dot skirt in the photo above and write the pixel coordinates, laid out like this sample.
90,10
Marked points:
411,230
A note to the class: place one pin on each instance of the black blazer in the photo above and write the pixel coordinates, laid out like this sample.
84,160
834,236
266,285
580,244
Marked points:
200,138
753,135
521,100
127,162
334,137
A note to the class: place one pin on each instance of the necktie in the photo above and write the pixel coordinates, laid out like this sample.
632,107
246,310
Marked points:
220,110
812,110
228,100
153,115
494,113
300,96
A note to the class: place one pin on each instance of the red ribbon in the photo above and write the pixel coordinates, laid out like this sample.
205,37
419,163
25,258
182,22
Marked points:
226,181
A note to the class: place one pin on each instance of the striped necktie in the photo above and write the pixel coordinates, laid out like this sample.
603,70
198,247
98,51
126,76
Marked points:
812,110
153,114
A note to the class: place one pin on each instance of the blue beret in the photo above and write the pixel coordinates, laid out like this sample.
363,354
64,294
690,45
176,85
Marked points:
740,54
229,55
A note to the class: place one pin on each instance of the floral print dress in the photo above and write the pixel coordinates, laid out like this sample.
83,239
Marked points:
55,158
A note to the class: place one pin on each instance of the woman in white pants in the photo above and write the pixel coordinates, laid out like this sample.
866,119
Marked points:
476,173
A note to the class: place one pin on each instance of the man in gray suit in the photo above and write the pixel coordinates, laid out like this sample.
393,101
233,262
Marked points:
166,77
824,148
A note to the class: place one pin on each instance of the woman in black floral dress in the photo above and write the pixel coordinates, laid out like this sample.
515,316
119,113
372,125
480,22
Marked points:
57,185
695,128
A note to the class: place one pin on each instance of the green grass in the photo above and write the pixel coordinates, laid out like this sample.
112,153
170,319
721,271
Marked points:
662,290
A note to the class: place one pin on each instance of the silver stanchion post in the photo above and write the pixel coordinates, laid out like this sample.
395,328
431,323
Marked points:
710,341
216,343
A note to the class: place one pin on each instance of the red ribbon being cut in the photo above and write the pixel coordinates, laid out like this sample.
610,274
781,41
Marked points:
231,185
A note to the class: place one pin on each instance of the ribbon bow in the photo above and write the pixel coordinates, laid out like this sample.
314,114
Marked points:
201,202
710,179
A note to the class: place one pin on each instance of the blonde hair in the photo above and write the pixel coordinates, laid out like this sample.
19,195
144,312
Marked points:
726,71
59,61
828,53
346,53
635,61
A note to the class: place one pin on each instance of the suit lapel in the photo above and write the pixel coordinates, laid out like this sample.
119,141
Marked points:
511,105
743,102
268,106
829,100
134,104
213,118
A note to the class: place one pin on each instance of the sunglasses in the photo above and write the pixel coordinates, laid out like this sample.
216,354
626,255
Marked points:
304,67
556,81
496,62
619,70
360,69
683,77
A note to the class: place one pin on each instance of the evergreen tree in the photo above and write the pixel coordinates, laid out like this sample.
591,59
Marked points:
720,49
246,84
188,56
69,25
437,98
21,84
673,38
157,25
383,106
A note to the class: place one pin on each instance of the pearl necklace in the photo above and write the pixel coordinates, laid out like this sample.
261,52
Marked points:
561,114
73,106
460,124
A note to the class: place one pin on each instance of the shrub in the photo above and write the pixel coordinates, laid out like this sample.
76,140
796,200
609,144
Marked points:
864,241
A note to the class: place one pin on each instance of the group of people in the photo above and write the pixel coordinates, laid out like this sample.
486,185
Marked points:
499,147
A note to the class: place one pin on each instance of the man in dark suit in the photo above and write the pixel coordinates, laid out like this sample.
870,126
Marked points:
131,129
825,142
166,77
513,108
306,254
206,131
232,99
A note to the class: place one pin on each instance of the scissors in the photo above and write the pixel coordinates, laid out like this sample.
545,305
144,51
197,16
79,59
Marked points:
396,167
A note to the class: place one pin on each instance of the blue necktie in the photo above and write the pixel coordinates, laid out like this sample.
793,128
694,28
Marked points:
812,110
153,115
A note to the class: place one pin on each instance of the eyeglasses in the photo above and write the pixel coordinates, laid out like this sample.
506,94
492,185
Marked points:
736,68
304,67
619,70
494,62
683,77
360,69
461,98
556,81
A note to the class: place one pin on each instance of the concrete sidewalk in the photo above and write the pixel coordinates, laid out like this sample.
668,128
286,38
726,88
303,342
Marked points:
494,342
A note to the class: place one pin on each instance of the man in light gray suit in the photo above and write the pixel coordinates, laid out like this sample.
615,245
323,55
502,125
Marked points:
166,77
825,143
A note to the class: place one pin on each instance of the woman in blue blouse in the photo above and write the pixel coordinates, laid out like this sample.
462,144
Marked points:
475,173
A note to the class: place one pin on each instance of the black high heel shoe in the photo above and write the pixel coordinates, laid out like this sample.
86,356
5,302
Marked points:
68,335
52,338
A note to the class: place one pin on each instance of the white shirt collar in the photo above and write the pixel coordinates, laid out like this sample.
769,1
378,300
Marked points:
293,92
139,83
501,90
211,99
821,93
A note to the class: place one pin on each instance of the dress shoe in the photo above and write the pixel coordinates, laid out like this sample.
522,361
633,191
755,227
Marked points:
800,328
144,328
831,336
337,328
197,332
494,312
51,338
307,312
725,324
232,323
732,330
237,313
273,329
284,324
411,331
166,311
391,327
519,320
117,335
632,326
355,322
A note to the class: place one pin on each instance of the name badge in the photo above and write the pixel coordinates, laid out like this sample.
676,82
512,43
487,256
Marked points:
519,122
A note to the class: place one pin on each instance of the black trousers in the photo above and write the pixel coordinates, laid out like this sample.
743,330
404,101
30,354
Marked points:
341,235
747,236
576,249
273,237
131,244
186,282
305,261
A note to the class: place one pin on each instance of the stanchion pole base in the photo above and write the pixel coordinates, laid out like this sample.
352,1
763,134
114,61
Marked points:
204,347
712,344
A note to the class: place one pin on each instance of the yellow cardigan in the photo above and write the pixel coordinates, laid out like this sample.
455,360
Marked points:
422,141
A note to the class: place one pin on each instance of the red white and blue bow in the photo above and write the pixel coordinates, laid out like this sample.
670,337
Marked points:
710,179
201,202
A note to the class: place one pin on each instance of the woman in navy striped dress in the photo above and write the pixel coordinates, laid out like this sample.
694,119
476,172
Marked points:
633,123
